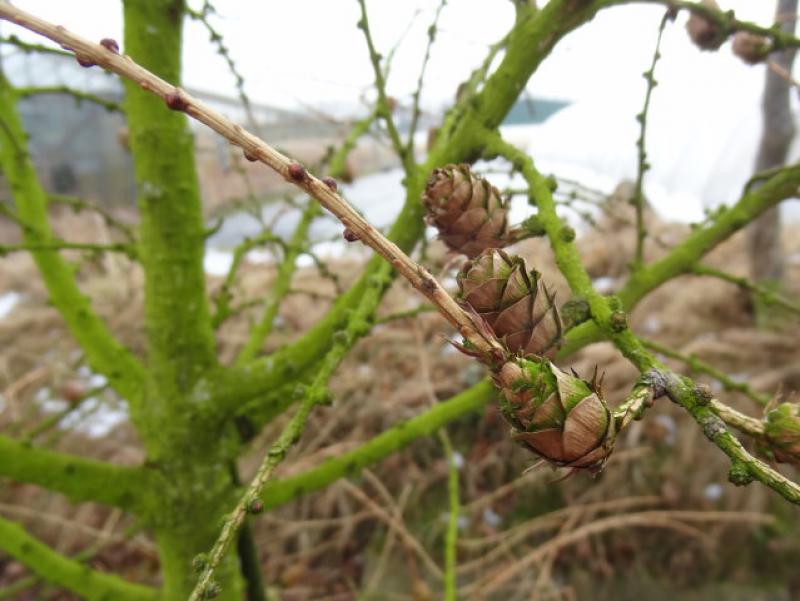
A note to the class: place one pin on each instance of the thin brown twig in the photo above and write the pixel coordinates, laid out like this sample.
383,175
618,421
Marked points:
256,148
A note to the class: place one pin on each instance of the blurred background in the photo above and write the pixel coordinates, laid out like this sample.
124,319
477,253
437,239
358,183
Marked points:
661,523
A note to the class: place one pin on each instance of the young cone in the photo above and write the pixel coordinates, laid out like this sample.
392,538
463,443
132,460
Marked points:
557,415
468,211
514,303
704,31
782,432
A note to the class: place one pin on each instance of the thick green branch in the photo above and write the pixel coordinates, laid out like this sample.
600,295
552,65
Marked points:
68,573
78,478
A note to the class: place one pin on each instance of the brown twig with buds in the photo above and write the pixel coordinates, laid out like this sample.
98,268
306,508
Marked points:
179,99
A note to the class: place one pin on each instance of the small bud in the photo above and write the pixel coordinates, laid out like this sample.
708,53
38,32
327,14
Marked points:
199,562
110,45
255,506
330,182
568,233
350,235
618,321
704,393
391,103
575,311
84,61
175,101
297,172
739,475
72,391
250,157
212,590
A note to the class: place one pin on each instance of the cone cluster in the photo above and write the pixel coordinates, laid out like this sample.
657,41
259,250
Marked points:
469,212
515,303
559,416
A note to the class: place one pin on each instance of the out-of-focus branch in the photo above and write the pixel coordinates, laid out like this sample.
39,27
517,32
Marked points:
79,478
415,106
68,573
78,95
383,107
698,366
643,166
767,295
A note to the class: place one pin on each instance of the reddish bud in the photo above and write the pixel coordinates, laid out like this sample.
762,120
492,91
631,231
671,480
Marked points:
350,235
84,61
255,506
331,183
297,172
250,157
175,101
110,45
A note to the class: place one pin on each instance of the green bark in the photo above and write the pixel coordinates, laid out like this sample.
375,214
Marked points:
78,478
54,567
183,441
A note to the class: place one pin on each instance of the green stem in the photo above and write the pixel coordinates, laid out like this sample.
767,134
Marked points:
682,259
280,287
451,538
349,464
78,95
698,366
642,166
767,295
68,573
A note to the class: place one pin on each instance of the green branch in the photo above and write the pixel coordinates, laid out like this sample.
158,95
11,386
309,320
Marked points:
224,296
280,287
29,48
78,204
383,108
78,95
451,537
612,322
67,573
643,166
78,478
768,296
105,354
684,257
349,464
55,244
699,366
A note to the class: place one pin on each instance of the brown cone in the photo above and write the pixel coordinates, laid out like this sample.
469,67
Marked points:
515,304
703,31
749,47
558,416
468,212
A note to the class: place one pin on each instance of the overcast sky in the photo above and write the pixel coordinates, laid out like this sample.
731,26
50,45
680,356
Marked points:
705,118
309,51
